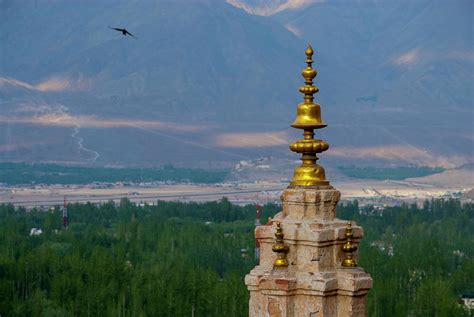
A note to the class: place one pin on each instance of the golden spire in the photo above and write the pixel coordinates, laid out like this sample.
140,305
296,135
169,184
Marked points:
280,248
308,118
349,247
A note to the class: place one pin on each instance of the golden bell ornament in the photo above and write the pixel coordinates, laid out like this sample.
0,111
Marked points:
280,248
348,247
308,116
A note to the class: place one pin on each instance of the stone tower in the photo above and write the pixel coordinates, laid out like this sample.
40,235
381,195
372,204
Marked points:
308,257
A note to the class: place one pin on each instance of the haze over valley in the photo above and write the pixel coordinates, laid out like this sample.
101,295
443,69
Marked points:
208,82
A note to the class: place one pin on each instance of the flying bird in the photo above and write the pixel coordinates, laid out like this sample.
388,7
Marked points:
124,31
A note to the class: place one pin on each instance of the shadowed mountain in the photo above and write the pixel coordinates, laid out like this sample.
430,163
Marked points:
198,57
201,72
402,70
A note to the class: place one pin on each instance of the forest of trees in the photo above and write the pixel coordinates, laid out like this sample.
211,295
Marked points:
185,259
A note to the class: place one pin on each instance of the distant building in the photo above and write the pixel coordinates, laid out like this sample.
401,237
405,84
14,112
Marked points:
36,232
468,300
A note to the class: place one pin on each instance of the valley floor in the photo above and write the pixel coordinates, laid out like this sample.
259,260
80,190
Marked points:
381,193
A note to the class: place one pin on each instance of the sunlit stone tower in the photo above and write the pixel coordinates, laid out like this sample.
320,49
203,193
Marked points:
308,257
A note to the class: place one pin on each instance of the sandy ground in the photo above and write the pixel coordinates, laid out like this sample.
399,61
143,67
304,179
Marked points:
443,185
54,195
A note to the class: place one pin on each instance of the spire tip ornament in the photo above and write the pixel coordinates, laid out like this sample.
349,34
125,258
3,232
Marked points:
308,118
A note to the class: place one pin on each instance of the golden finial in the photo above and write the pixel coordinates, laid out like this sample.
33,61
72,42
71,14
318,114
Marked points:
280,248
308,118
349,247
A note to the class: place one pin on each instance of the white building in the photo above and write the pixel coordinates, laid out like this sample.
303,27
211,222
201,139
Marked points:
36,231
468,300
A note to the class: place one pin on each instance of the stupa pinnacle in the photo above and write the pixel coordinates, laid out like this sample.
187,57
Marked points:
310,269
308,118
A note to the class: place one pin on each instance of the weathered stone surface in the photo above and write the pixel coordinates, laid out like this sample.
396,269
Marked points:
317,204
315,283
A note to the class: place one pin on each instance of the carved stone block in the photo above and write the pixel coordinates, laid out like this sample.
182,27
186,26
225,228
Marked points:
314,283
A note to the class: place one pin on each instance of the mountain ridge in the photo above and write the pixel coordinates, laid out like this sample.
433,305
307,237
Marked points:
385,80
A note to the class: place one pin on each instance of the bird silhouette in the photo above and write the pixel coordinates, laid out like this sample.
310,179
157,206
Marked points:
124,31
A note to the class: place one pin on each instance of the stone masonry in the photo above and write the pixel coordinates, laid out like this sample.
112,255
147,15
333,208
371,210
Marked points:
314,284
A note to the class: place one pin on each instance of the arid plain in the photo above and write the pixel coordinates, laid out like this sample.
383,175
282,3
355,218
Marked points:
457,183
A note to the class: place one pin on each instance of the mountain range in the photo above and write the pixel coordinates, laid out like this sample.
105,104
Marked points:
212,82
